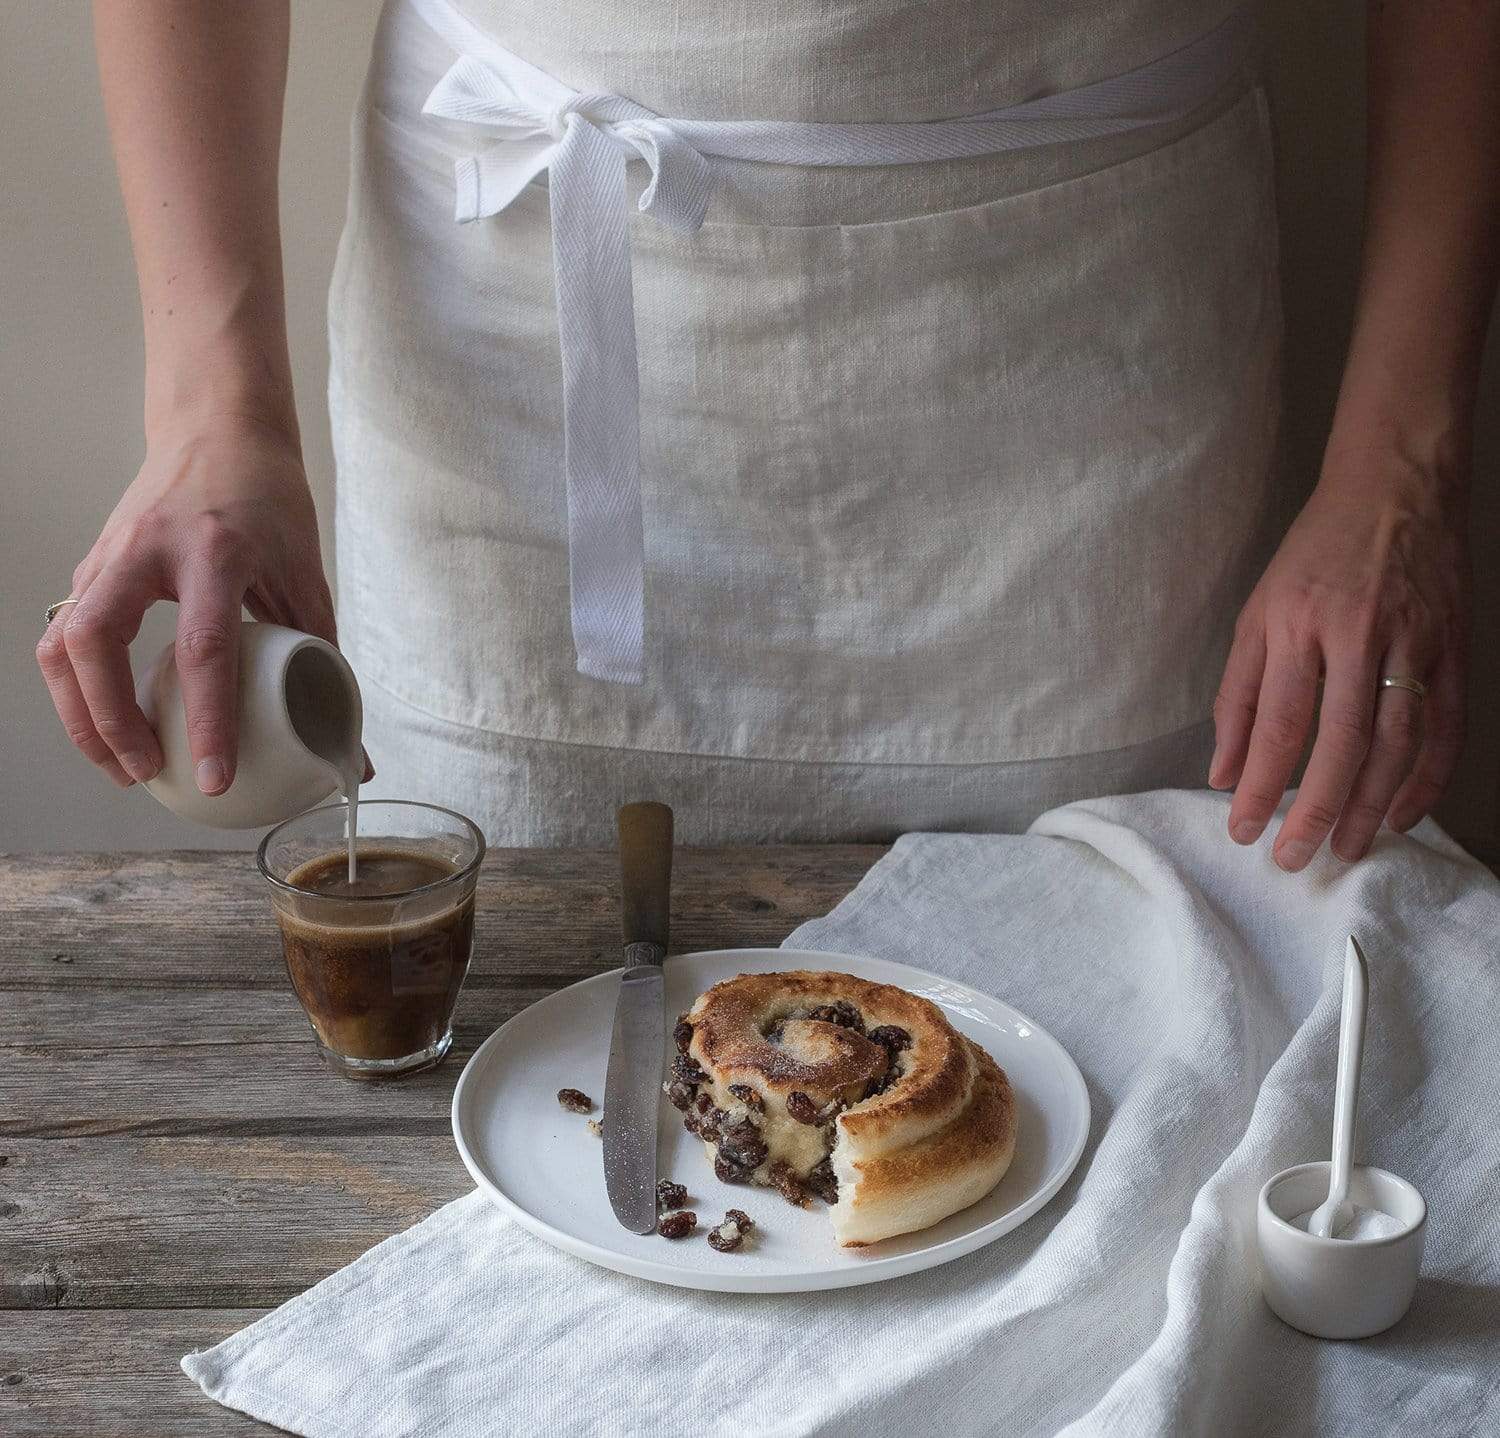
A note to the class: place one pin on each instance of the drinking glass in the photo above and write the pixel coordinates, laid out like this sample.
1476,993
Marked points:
377,974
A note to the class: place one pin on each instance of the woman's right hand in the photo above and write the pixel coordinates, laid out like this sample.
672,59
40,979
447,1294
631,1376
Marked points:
220,516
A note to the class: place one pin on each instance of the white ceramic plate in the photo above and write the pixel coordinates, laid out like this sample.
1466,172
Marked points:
544,1167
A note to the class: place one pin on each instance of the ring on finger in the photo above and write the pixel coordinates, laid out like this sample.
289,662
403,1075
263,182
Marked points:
53,610
1406,682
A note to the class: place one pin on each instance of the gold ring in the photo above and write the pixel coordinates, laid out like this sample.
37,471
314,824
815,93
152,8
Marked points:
52,609
1402,681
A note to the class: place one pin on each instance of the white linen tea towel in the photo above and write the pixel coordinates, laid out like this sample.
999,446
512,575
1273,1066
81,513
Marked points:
1198,988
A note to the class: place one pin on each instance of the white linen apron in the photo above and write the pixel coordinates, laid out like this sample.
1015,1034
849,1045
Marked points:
953,474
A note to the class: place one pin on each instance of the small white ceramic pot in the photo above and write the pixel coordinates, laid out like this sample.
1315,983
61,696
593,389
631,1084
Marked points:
300,717
1339,1287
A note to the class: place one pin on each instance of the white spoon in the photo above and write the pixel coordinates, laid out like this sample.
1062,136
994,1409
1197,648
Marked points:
1335,1211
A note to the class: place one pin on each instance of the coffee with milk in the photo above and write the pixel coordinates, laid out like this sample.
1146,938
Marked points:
377,960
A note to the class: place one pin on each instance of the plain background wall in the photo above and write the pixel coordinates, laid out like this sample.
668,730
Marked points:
70,362
70,371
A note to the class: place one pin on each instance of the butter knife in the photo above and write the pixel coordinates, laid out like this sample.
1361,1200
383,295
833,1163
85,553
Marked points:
632,1086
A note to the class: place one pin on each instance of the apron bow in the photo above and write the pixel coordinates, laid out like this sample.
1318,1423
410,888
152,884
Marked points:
527,131
584,142
534,123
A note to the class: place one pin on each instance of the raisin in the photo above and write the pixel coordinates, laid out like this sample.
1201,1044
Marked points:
748,1096
785,1181
892,1039
575,1101
842,1013
742,1142
680,1095
876,1087
727,1237
776,1031
705,1102
685,1069
690,1123
739,1216
683,1034
745,1151
677,1225
727,1172
670,1195
709,1123
823,1183
800,1107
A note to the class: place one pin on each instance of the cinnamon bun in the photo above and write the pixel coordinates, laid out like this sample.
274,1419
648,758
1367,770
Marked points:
861,1094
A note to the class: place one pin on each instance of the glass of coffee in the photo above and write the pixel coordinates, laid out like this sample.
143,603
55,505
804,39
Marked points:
376,957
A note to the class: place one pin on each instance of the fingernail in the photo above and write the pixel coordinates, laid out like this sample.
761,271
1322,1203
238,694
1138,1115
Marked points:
1244,831
140,765
1215,778
211,776
1294,854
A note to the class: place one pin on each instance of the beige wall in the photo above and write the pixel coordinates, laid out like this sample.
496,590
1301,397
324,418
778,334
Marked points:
70,369
71,355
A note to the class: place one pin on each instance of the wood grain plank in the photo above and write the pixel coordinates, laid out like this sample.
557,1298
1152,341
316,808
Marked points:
113,1375
194,920
169,1142
148,1061
125,1020
210,1223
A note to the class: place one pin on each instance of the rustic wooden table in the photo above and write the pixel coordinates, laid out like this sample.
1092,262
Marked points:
173,1159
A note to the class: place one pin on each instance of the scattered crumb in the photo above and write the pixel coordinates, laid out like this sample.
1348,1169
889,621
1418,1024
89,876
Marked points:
670,1195
730,1234
596,1127
575,1100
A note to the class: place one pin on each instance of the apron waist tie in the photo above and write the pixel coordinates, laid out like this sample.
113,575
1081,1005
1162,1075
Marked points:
534,123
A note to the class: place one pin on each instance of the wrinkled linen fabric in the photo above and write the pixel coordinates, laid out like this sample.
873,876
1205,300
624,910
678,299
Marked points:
524,124
955,463
1198,988
528,793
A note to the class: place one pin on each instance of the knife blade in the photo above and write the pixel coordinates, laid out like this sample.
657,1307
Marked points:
632,1085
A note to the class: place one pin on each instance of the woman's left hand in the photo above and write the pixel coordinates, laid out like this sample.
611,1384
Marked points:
1370,581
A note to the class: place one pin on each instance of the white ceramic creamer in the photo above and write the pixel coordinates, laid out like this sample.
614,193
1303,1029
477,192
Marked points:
300,717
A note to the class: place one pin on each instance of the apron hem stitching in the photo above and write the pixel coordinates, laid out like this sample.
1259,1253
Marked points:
709,755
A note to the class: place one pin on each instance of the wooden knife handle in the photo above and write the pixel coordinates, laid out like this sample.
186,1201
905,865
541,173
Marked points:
645,873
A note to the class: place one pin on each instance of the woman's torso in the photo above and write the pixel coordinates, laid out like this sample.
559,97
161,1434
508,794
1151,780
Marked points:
949,463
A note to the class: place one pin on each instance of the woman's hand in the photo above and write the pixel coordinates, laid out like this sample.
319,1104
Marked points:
1371,580
220,516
